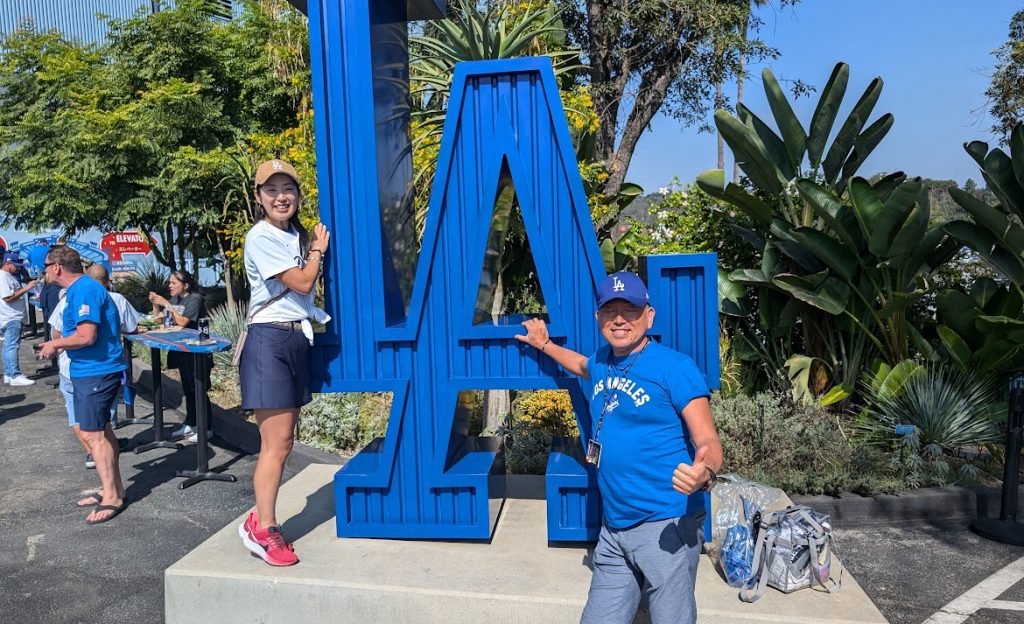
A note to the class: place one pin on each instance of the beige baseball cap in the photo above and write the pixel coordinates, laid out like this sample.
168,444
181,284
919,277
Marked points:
270,167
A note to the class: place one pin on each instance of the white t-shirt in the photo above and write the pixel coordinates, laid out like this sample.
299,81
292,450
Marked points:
15,310
127,314
270,251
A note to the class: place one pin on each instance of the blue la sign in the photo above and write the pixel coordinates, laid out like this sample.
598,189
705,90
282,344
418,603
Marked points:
405,321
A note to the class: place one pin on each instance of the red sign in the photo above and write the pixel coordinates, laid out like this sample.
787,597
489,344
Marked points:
117,243
125,250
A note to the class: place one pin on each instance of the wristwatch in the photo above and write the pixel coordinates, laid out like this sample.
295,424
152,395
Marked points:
712,480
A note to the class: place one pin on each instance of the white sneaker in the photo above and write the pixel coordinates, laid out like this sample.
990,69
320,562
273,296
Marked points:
21,380
194,436
182,431
7,379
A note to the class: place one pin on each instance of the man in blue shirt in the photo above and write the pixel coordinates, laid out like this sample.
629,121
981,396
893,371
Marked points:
92,340
655,448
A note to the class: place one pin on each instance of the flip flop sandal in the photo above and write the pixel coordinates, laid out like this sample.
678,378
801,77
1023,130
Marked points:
114,508
97,498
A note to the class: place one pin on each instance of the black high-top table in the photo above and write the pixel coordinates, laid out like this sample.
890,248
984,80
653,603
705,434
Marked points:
185,341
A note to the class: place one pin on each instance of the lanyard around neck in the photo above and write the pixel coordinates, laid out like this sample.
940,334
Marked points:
623,372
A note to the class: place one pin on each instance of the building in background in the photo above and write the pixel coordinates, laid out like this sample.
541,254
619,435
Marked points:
80,19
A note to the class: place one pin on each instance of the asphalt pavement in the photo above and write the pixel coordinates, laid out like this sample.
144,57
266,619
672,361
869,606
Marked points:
56,569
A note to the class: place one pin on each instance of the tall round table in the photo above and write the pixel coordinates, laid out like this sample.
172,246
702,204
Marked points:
185,341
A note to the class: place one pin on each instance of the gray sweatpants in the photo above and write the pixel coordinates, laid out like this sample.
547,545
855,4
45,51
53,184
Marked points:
656,559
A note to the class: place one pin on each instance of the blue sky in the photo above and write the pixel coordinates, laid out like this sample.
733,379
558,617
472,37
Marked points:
934,56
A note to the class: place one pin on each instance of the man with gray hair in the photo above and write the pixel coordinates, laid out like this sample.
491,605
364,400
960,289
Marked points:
126,312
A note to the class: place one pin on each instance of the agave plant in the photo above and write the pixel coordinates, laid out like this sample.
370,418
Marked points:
498,31
842,257
227,320
947,408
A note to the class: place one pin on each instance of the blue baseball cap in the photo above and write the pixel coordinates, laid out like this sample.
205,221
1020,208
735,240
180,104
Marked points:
12,257
623,285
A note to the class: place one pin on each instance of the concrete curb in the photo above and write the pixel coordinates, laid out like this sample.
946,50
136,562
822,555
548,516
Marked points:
926,504
227,425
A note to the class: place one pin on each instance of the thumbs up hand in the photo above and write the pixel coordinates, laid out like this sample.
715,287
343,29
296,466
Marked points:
688,478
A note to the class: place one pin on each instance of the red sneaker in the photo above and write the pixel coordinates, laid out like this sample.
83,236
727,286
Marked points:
268,544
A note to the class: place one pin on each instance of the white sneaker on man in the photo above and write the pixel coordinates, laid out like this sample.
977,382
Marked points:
21,380
182,431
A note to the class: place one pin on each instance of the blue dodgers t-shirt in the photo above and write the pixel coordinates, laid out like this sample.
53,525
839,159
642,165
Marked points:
643,435
87,300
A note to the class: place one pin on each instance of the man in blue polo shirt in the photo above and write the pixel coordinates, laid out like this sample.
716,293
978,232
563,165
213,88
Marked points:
92,340
655,448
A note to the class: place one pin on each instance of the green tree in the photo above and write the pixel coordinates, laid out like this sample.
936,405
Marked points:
688,220
1006,91
46,82
150,130
651,56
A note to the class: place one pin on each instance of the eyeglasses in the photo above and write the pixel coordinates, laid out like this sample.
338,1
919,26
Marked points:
629,312
47,265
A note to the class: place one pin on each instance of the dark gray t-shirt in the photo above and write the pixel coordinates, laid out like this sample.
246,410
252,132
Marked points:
192,306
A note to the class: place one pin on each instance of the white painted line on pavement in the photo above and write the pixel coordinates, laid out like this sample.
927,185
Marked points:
981,596
31,543
1005,605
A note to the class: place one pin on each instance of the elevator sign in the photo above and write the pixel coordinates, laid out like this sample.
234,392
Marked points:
126,250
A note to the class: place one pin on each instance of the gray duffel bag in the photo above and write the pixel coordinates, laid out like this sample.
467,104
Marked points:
793,550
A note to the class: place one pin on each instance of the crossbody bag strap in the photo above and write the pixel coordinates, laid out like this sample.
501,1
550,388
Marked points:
277,297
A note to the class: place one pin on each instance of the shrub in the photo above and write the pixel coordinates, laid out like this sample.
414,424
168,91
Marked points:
151,276
227,321
136,291
546,410
214,296
344,421
799,448
951,411
374,409
331,422
526,448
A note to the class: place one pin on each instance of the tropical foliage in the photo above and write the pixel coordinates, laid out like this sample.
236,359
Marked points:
996,232
842,259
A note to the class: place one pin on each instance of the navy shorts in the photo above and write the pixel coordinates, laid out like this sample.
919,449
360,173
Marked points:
93,398
274,371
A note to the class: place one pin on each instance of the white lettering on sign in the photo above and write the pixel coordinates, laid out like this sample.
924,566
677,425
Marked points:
128,237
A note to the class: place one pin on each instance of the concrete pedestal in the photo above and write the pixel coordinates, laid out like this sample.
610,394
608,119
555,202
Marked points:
516,578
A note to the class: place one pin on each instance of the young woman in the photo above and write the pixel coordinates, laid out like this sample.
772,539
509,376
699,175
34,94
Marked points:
185,307
282,262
